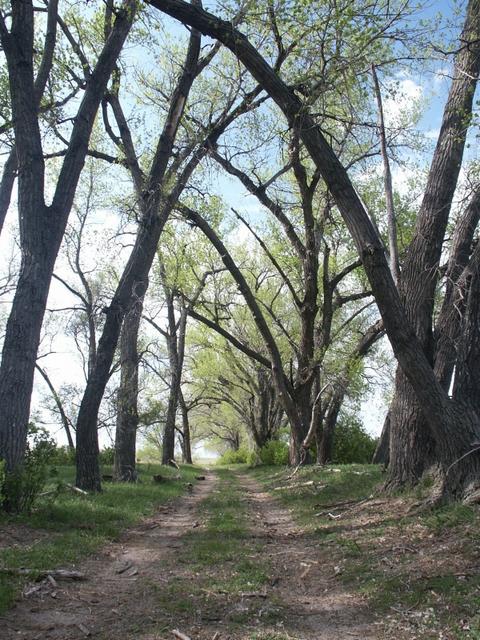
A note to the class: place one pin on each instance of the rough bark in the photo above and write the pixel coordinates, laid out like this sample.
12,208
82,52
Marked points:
413,446
382,452
127,398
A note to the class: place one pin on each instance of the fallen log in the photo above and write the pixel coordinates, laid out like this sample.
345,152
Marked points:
56,574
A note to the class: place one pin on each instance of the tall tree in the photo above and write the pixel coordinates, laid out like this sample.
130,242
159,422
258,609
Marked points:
41,226
454,426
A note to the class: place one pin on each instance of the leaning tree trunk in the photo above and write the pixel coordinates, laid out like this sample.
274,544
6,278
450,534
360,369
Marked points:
127,398
134,281
412,445
449,423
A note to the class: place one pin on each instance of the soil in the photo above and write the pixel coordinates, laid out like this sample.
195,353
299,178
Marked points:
119,599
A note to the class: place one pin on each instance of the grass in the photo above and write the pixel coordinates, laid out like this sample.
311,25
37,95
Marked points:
419,573
81,524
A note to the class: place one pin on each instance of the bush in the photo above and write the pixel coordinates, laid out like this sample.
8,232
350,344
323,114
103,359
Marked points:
234,457
274,452
352,444
62,456
21,488
107,456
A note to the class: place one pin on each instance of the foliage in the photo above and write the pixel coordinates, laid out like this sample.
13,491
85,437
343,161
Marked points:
107,455
62,455
23,485
274,452
352,444
240,456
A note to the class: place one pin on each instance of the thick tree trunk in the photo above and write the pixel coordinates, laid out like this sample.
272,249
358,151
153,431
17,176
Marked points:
412,444
127,398
455,428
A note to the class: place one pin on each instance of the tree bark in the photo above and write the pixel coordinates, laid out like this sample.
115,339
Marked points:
413,446
186,436
127,398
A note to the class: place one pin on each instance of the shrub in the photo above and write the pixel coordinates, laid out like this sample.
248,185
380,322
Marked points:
352,444
62,456
274,452
240,456
107,456
21,488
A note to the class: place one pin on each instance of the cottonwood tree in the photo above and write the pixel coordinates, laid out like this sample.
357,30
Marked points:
157,189
453,423
41,226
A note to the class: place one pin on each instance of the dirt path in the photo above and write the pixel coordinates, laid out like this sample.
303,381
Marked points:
315,605
144,585
118,599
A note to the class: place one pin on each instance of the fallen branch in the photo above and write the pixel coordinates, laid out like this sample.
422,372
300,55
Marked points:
178,634
56,574
173,464
75,489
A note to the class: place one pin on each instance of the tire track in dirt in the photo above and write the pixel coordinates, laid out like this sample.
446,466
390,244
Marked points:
314,603
118,598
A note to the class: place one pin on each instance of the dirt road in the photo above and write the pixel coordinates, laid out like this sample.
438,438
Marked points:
143,586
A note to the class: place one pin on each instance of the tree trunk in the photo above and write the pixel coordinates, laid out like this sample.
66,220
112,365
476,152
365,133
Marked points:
325,454
412,445
175,345
186,440
127,398
451,426
134,281
382,452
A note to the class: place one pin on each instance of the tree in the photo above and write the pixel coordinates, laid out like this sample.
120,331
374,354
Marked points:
454,426
41,226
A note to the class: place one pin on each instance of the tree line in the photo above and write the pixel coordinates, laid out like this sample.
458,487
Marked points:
285,100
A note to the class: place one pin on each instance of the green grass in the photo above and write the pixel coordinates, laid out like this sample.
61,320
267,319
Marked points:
81,524
332,484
